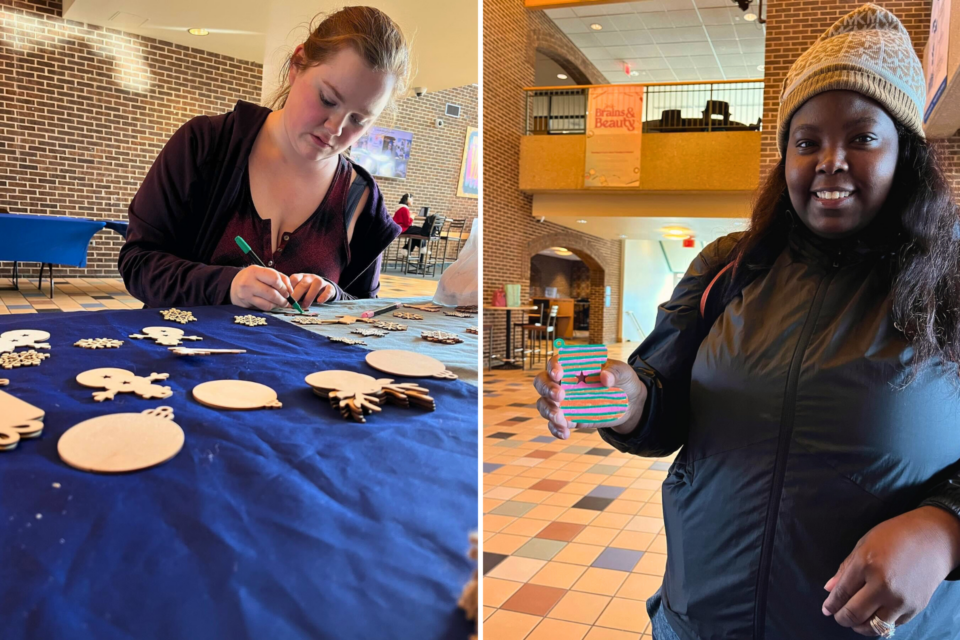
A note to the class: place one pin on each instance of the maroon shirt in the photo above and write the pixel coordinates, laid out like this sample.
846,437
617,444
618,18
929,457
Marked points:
317,246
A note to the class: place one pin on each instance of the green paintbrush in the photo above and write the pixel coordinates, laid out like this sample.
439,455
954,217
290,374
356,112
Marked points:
248,251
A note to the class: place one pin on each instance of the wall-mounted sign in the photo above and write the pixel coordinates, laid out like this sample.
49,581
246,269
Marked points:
614,122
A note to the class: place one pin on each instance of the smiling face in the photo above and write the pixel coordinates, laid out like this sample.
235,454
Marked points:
841,158
332,104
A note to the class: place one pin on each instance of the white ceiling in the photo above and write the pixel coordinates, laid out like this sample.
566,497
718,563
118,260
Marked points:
444,33
667,40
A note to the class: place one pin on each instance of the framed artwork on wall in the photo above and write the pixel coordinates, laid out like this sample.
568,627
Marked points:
383,152
469,184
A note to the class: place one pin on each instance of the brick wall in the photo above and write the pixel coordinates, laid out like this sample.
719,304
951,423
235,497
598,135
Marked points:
86,110
511,37
434,168
793,26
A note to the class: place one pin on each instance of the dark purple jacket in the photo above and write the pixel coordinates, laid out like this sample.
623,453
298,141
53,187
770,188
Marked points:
189,195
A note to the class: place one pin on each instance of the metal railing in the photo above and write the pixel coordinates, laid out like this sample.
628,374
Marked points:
733,105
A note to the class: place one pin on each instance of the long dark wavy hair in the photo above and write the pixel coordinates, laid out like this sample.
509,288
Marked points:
920,216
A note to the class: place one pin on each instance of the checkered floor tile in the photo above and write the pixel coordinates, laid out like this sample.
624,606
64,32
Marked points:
573,529
96,294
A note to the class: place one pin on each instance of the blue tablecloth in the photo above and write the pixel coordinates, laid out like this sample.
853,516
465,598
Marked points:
48,239
269,524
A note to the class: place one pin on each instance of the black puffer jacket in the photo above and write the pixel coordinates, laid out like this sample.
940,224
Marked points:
795,442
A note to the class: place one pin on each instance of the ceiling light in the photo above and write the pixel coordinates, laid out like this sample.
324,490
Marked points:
750,17
675,233
759,67
581,221
562,76
623,236
634,73
596,27
198,32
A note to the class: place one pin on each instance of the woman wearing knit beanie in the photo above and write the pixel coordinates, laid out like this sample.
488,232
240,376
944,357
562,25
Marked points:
807,371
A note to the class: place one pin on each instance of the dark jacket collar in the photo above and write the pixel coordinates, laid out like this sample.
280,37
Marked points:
875,241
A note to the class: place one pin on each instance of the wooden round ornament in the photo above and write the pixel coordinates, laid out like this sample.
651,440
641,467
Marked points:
122,442
236,394
343,381
397,362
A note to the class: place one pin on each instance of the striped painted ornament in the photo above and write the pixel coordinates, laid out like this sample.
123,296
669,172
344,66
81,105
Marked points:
585,399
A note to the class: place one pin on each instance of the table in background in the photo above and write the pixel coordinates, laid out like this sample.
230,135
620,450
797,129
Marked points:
288,523
48,240
564,314
508,363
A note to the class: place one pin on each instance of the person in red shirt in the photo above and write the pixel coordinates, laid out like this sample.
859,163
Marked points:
403,217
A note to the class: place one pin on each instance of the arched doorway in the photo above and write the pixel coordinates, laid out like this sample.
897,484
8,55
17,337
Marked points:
583,249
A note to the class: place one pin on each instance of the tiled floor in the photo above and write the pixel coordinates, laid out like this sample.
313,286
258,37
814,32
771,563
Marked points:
95,294
573,529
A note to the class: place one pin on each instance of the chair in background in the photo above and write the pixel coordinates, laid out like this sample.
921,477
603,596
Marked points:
456,228
538,332
425,243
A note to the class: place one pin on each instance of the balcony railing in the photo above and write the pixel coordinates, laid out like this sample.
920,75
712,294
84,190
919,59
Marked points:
733,105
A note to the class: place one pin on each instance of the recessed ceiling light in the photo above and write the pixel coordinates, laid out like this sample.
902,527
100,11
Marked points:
634,73
759,67
596,27
623,236
675,233
198,32
581,221
562,76
750,17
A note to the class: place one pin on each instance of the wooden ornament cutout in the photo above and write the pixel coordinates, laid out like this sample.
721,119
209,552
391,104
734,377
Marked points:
585,399
236,394
457,314
98,343
4,382
409,364
390,326
356,394
470,308
441,337
351,341
250,320
8,439
122,442
376,333
165,336
122,381
430,307
301,320
342,320
20,418
22,359
403,315
176,315
186,351
474,330
25,338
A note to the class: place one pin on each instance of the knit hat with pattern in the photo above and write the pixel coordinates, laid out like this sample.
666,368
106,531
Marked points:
867,51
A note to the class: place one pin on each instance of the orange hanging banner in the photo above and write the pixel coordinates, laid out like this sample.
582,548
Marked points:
614,123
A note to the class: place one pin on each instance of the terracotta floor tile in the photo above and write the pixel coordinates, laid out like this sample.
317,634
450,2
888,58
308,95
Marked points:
488,611
637,495
558,574
604,582
599,633
509,625
547,485
531,495
646,483
578,488
618,481
625,615
575,553
502,493
651,564
565,476
493,522
541,454
490,504
652,510
536,473
627,507
611,520
564,531
578,516
575,606
639,586
535,599
644,523
496,592
545,512
517,569
521,483
549,629
596,535
562,500
659,544
523,526
504,543
635,540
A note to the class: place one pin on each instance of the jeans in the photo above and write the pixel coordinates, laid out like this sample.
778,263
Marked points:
658,620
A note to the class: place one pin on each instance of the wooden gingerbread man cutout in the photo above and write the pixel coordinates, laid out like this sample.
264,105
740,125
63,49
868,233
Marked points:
122,381
166,336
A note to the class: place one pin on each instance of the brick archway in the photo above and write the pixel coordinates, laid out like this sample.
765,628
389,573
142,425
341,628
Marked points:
549,41
587,251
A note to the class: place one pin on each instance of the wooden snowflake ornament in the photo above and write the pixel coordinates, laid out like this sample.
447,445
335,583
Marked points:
22,359
122,381
250,321
376,333
176,315
98,343
403,315
390,326
441,337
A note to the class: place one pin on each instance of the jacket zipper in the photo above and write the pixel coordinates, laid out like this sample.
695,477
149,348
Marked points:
783,447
